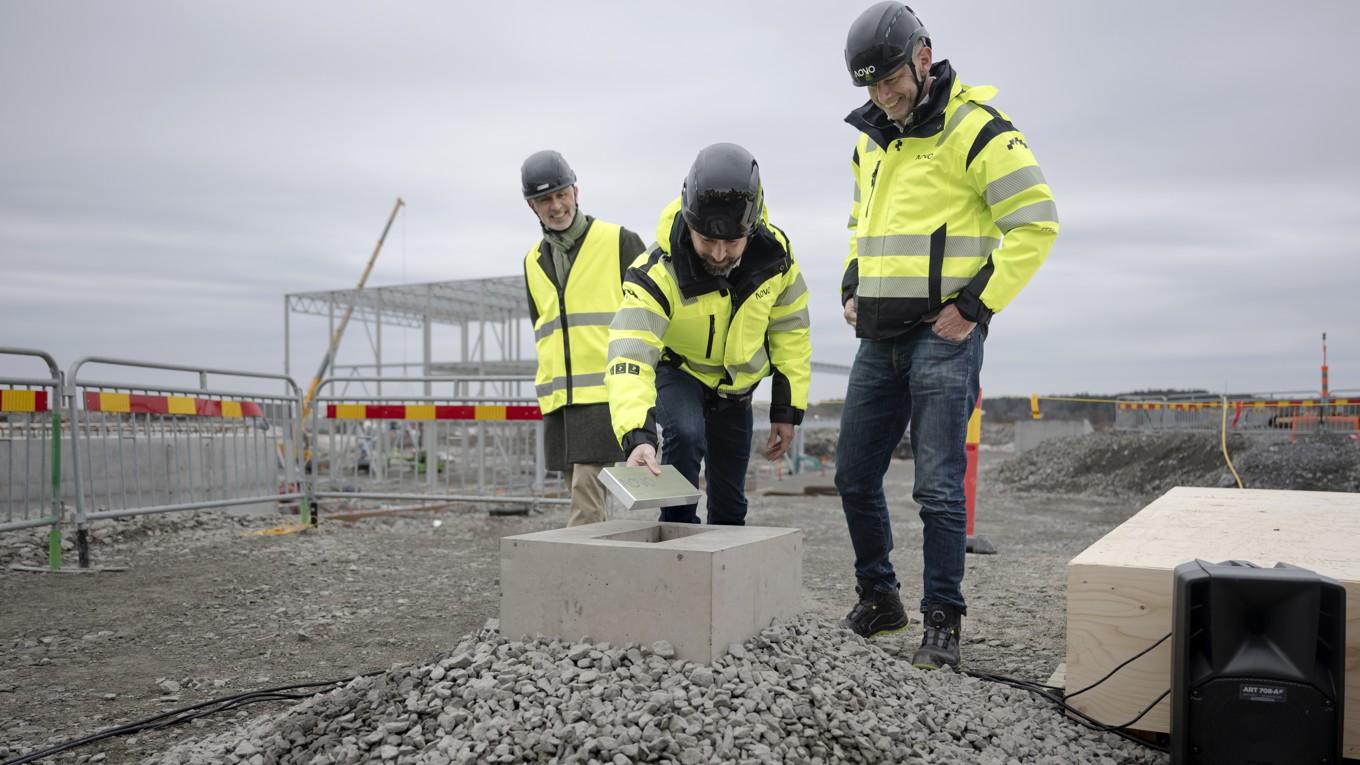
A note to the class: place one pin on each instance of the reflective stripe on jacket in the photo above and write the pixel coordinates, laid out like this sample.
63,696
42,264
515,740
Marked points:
952,209
571,321
727,332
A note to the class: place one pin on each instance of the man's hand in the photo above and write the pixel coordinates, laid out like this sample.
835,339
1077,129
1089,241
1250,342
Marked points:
781,438
851,314
644,455
951,325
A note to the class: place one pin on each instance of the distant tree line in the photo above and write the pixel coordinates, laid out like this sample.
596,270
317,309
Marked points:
1101,416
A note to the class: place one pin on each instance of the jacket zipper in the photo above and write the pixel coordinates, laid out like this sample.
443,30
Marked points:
731,319
864,216
712,327
566,337
873,184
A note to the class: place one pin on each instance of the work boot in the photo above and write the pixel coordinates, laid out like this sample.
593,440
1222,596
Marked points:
940,645
876,613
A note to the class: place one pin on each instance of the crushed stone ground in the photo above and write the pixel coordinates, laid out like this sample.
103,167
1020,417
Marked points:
204,607
802,691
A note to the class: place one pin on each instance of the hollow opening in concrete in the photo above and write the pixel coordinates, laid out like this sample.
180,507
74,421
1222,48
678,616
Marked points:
658,533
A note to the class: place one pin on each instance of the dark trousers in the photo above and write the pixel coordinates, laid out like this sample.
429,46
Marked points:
698,426
932,383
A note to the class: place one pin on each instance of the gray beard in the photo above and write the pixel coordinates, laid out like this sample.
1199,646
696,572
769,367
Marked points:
716,271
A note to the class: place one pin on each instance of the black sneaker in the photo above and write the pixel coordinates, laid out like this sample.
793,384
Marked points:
876,613
940,645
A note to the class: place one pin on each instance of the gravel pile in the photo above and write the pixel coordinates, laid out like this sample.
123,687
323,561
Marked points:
802,691
1146,465
1318,464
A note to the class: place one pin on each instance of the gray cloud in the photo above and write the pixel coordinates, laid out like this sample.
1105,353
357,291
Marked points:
172,170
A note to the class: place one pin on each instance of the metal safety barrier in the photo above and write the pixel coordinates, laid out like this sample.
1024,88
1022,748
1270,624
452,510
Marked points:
1282,414
1141,413
436,439
147,447
30,440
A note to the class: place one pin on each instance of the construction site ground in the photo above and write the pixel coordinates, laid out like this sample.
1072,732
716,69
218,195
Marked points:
203,607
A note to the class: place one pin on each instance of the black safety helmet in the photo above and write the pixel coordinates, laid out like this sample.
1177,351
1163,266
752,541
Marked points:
721,198
545,172
881,40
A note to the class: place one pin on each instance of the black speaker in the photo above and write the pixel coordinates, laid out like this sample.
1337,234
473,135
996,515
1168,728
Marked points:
1258,665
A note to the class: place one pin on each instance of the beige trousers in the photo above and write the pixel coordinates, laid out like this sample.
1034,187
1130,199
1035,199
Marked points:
587,494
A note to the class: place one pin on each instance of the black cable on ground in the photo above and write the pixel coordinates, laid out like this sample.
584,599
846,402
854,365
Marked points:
1056,696
1123,664
192,712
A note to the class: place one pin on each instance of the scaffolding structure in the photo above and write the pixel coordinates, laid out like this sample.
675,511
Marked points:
490,317
495,340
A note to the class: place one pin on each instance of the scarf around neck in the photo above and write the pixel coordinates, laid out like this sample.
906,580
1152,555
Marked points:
563,242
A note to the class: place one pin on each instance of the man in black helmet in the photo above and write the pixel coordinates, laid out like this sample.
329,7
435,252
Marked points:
715,306
951,218
573,275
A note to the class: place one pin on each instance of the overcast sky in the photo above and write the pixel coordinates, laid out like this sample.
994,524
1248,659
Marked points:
168,170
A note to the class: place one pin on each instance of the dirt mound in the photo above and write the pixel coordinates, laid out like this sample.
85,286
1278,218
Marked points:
1146,465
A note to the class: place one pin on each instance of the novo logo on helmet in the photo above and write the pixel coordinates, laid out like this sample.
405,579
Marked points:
865,71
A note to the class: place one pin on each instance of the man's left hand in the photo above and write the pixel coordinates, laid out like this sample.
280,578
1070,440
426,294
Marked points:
951,325
781,438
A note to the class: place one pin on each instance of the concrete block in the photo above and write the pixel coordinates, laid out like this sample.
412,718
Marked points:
701,588
1031,433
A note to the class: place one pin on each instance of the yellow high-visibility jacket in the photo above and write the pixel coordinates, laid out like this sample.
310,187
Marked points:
953,209
727,332
571,321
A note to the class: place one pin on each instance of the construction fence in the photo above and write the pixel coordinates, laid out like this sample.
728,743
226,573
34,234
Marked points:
437,439
114,438
30,441
163,438
1285,415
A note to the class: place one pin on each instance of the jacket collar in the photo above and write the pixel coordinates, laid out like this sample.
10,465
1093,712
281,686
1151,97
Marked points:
762,254
927,117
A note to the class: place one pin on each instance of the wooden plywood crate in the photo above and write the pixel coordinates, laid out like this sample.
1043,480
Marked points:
1119,589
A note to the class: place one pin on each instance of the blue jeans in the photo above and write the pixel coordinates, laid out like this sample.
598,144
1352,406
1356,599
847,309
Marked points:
932,383
700,426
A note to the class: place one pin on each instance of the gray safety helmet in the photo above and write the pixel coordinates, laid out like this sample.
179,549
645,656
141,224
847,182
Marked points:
545,172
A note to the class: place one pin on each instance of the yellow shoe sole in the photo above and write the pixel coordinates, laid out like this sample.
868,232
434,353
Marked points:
893,631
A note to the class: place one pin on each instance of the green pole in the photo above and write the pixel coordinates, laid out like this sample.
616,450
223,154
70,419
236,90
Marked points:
54,536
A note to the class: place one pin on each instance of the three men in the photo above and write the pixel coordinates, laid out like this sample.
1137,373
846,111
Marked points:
715,306
951,218
573,276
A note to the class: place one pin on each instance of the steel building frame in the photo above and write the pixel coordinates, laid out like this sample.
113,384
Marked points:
491,316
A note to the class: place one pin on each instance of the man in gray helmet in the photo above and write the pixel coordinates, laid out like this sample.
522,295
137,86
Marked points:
951,218
717,305
573,275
